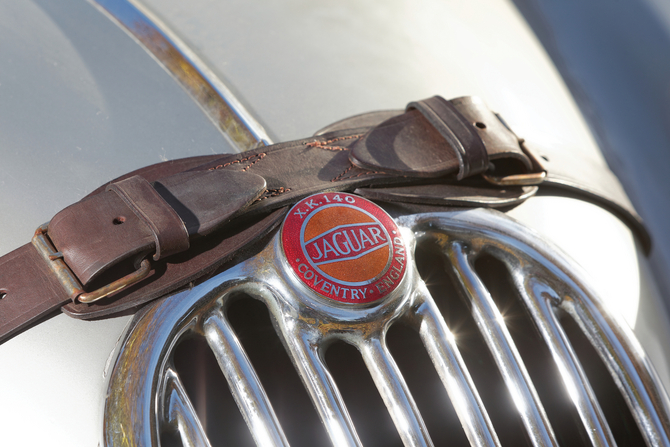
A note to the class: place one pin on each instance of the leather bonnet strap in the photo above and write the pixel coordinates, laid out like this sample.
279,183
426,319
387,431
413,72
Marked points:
455,129
169,232
193,216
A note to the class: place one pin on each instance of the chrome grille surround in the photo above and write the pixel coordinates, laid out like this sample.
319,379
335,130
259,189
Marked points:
146,396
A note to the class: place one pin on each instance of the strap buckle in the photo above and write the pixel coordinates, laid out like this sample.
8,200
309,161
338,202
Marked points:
527,179
69,280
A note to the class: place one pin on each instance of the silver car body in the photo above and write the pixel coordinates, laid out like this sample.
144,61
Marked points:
82,102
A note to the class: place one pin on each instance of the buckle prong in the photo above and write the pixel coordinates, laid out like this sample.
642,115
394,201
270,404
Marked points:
532,178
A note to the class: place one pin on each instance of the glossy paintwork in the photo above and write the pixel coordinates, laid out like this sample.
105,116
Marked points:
206,89
301,65
614,57
81,103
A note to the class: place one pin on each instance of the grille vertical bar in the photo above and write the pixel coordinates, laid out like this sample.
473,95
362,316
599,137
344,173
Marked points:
394,392
243,381
441,346
500,343
538,298
304,348
545,280
628,365
180,414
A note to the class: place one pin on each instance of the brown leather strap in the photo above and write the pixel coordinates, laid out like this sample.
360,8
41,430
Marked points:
569,171
461,135
206,257
29,290
225,204
169,231
445,137
105,229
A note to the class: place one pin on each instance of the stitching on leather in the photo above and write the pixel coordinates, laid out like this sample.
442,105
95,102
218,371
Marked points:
260,157
342,175
325,144
257,156
334,148
272,193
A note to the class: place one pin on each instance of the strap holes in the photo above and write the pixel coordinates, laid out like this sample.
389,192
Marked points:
480,125
3,293
119,220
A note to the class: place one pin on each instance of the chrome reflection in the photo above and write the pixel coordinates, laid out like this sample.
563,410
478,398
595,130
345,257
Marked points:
441,346
546,280
179,413
201,83
241,377
497,337
395,393
538,298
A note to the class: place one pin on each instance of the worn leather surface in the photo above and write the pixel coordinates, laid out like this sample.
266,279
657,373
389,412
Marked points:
104,229
227,203
446,137
168,230
30,290
362,122
568,169
461,133
203,259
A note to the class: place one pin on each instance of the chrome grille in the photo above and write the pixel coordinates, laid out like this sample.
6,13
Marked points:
146,396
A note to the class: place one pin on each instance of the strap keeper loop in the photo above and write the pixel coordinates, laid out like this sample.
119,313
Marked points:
169,231
458,132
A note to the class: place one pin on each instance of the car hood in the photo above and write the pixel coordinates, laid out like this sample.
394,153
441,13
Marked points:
81,102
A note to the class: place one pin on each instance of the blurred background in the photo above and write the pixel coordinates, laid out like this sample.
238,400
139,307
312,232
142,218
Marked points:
614,55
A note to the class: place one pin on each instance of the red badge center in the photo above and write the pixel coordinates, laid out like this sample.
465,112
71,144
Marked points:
344,247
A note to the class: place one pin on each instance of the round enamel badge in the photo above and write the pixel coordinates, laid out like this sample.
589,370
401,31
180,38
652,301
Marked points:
344,247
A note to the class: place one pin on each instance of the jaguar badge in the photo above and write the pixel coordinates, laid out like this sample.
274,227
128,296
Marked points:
344,247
